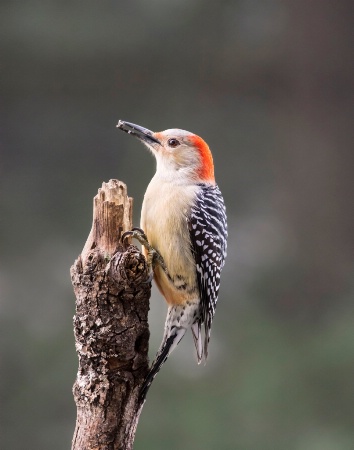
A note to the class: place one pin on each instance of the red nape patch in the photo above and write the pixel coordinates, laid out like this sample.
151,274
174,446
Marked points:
206,171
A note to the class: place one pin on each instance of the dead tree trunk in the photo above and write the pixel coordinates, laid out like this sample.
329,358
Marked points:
110,326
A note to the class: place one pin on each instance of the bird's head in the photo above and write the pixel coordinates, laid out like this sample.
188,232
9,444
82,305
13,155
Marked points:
181,156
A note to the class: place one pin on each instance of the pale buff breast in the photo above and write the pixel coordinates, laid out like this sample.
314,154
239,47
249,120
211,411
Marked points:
163,218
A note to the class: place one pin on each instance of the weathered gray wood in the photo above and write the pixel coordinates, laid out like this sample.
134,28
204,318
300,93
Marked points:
110,326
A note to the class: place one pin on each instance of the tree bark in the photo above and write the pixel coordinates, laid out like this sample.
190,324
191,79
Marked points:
110,326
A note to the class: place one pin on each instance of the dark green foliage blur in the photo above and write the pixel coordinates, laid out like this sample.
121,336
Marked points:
267,83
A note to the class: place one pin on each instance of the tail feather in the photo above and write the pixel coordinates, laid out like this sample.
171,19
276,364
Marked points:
179,319
207,331
167,346
198,341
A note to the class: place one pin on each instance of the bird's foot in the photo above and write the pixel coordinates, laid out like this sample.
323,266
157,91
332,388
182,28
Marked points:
153,256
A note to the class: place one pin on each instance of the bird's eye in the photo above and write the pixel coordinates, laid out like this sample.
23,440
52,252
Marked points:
173,143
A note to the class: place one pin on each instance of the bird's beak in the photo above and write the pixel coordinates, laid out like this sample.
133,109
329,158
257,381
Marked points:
143,134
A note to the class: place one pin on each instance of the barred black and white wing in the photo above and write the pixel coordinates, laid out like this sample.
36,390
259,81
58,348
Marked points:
208,234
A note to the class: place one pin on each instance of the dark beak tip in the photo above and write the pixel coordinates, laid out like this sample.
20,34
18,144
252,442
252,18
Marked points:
138,131
120,124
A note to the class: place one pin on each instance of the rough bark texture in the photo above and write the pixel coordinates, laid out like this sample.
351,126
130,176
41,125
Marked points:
110,325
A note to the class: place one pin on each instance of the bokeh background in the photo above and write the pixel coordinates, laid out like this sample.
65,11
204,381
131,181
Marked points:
268,84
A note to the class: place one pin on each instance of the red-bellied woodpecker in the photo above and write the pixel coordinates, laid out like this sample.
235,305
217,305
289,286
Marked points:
184,238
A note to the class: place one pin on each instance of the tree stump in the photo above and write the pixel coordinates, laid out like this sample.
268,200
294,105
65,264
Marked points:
110,326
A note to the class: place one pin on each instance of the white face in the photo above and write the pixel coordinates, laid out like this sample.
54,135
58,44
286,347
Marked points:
176,156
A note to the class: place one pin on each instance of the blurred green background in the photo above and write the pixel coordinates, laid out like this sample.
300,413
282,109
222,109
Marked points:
268,84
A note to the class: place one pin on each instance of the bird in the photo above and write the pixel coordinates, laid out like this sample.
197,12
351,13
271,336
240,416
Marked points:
183,230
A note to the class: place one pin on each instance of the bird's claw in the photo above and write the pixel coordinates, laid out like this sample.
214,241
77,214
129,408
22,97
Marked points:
153,256
139,230
138,234
125,235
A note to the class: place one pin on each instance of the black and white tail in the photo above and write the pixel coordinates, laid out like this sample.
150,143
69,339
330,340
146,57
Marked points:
166,348
179,319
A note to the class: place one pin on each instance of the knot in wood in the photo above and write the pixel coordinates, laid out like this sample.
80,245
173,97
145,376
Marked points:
129,267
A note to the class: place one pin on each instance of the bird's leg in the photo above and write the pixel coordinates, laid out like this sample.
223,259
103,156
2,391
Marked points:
153,256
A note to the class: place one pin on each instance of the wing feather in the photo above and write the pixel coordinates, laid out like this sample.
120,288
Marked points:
208,233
